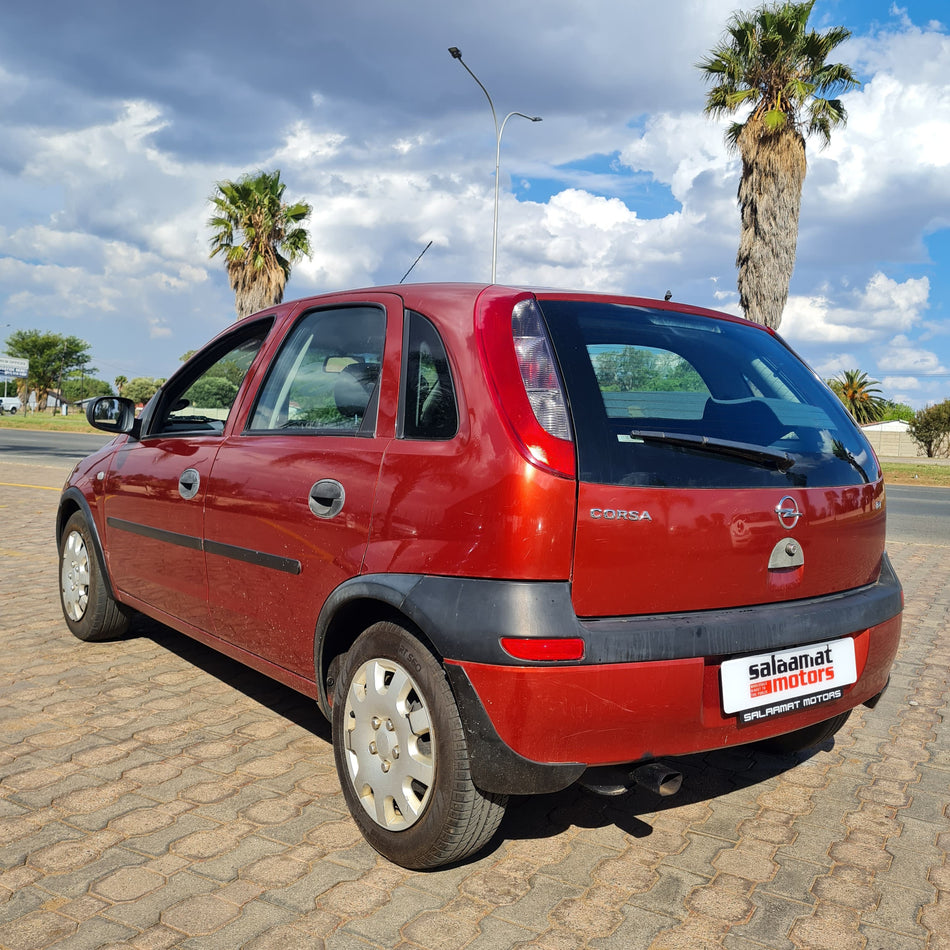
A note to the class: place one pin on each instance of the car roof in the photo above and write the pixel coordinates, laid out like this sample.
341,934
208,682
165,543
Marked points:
464,296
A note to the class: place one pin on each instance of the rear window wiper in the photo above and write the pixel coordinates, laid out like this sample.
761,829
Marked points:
701,443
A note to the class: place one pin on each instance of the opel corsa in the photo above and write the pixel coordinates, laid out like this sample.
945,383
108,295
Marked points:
506,540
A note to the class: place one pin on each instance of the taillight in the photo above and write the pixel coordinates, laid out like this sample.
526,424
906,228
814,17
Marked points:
538,372
520,361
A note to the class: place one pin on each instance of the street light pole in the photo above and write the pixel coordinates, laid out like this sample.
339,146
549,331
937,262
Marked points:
499,131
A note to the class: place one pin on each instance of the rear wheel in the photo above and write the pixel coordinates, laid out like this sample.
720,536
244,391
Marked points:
803,739
402,757
91,612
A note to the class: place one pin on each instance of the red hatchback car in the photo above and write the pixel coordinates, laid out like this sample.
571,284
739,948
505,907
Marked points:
506,540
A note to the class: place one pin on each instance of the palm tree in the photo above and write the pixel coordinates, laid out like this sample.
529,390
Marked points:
260,237
769,62
120,381
860,395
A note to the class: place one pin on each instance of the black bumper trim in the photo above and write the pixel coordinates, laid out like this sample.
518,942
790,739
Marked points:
465,619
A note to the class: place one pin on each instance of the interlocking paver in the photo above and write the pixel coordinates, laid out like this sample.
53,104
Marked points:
155,795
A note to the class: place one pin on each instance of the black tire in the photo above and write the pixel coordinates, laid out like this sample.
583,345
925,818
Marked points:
803,739
402,757
90,611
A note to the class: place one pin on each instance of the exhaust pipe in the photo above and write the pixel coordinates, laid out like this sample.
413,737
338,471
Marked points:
658,778
618,780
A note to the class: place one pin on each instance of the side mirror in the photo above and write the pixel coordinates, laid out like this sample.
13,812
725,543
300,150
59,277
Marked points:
111,414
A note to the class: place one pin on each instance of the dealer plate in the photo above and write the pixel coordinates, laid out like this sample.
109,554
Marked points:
769,684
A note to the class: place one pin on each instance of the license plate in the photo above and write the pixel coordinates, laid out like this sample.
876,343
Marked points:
787,681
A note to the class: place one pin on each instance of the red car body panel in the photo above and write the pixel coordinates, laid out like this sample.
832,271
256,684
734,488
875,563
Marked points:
622,558
273,613
141,487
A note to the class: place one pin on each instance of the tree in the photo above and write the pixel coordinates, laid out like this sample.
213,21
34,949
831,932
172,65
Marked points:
212,392
260,237
76,388
930,429
769,62
860,395
52,357
120,381
634,369
897,412
141,388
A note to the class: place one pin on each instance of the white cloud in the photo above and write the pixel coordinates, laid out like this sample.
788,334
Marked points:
304,144
835,363
902,354
101,151
881,307
891,383
884,182
659,150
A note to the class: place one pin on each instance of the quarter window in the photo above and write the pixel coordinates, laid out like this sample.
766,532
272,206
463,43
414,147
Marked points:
429,408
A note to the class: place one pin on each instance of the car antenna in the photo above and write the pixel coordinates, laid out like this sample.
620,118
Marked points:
416,261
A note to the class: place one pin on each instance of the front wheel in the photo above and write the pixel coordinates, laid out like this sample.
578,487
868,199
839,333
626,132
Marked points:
402,757
91,612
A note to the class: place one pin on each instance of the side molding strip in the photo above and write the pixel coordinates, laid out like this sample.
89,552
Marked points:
273,562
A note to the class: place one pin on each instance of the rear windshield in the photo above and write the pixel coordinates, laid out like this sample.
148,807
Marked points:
674,399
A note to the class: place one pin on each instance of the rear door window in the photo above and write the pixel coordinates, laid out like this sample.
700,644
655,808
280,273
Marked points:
325,378
667,398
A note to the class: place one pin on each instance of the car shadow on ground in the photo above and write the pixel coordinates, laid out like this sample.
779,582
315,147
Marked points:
301,710
706,776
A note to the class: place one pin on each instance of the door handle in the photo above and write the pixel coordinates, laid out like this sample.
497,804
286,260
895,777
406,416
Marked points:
188,483
326,498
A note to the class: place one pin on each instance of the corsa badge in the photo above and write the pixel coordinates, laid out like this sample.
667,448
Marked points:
619,514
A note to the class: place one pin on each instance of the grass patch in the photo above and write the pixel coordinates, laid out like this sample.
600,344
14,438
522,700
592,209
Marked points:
49,422
917,473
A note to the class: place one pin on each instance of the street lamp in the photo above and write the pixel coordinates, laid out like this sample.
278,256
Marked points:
499,131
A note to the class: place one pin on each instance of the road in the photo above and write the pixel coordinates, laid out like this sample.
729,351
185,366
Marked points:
47,448
918,515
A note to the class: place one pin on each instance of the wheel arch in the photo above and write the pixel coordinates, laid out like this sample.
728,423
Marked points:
403,599
71,501
354,607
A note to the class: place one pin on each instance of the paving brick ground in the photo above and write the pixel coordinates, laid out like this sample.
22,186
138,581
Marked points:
156,795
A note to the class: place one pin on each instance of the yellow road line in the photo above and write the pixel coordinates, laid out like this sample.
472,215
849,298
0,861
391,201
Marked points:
18,485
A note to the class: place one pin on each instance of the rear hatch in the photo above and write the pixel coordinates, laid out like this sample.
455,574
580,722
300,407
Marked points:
714,468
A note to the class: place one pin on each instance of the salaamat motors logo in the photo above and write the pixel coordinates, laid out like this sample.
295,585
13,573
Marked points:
773,684
779,674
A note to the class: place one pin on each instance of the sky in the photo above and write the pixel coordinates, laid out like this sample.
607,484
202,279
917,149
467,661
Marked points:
117,119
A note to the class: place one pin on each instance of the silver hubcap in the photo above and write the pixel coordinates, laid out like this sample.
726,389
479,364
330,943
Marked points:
74,576
390,749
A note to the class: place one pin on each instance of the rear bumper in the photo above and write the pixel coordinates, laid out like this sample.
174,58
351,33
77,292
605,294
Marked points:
627,712
535,728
